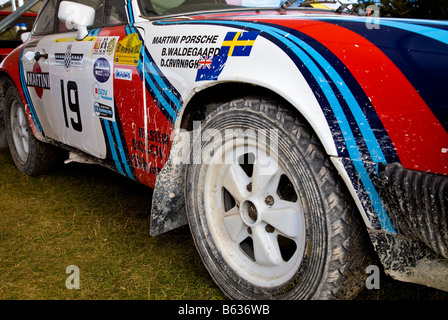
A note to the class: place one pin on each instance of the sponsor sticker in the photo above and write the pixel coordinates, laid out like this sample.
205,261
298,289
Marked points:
38,79
101,70
104,45
69,59
128,50
103,111
101,93
123,74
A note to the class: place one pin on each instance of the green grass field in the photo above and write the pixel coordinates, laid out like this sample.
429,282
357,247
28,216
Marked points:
97,220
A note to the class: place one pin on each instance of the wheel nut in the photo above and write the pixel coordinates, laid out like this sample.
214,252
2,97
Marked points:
269,200
269,228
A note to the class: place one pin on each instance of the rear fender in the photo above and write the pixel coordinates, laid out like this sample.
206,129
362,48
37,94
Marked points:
10,74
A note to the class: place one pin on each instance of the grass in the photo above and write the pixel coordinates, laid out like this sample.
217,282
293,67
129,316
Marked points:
99,221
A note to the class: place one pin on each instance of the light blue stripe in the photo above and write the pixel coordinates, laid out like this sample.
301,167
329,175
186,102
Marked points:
130,12
159,95
148,67
360,118
374,197
27,95
121,150
162,84
112,147
94,32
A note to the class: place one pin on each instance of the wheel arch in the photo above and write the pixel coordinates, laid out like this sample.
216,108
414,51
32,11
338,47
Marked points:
207,98
6,80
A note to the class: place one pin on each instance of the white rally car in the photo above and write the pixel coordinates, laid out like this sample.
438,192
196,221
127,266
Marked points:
287,136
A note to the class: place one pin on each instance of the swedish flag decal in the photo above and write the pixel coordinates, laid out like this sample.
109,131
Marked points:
239,44
235,44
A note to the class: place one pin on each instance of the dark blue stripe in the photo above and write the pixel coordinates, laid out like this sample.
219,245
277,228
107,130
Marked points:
166,97
27,94
111,143
423,59
130,12
378,131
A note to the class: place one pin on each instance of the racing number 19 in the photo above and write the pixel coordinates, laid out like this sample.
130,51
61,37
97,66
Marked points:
73,104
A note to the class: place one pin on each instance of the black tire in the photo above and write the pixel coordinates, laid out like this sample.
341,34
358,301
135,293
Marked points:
315,250
3,141
30,156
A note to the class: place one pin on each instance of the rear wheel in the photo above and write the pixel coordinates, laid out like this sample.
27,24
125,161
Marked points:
268,212
30,155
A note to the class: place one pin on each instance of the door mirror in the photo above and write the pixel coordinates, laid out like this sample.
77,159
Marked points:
25,36
76,16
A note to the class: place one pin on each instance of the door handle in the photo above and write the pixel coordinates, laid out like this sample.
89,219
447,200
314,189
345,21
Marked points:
39,55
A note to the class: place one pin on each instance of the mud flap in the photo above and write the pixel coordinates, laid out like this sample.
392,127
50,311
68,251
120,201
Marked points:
168,201
417,203
409,260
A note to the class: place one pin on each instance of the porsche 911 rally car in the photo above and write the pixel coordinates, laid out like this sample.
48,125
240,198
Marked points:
289,138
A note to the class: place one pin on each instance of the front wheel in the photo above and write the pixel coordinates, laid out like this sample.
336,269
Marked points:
268,212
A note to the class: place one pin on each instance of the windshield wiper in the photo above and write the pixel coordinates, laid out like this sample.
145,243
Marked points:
286,5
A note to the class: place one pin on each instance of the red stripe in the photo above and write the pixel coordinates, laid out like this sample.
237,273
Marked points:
418,136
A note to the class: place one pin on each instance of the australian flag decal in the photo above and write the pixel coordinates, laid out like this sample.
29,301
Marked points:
235,44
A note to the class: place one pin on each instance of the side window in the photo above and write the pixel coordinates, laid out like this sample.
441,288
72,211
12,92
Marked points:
115,13
108,13
45,21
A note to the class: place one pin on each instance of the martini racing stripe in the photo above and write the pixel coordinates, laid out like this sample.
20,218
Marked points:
422,99
27,95
414,60
116,147
424,30
114,141
371,136
130,12
111,143
166,97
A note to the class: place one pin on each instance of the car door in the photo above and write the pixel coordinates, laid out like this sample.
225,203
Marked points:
99,96
72,82
79,77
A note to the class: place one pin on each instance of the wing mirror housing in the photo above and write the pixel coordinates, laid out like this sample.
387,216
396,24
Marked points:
25,36
76,16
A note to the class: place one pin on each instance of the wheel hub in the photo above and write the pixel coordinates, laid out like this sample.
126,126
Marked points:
249,212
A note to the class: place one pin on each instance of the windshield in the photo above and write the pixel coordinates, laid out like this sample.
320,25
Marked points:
164,7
